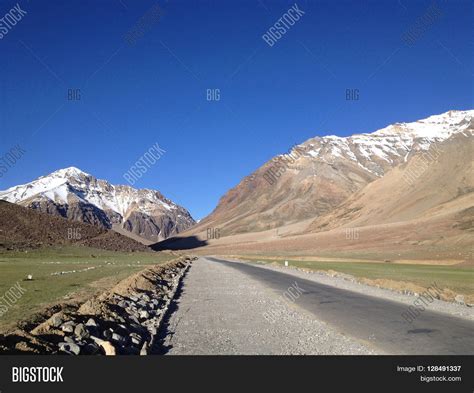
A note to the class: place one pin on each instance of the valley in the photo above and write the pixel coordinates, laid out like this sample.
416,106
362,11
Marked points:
387,215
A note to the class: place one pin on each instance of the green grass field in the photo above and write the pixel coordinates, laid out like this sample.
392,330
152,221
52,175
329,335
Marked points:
458,279
45,288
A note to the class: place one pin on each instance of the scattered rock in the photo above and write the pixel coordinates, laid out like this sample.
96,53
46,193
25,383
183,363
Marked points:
91,322
95,339
81,332
118,317
136,339
56,320
68,327
108,348
123,304
118,338
70,348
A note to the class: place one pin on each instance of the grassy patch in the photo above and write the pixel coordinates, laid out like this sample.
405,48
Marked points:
458,279
104,268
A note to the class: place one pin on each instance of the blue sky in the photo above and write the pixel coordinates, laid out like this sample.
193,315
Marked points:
133,96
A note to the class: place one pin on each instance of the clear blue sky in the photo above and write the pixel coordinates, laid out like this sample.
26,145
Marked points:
271,97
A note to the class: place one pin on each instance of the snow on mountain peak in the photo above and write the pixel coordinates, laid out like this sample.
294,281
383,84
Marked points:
67,184
67,172
390,145
76,195
437,126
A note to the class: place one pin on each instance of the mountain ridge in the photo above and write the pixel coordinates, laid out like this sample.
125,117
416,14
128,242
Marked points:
79,196
327,171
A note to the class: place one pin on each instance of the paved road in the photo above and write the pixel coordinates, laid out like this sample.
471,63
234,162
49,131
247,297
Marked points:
224,304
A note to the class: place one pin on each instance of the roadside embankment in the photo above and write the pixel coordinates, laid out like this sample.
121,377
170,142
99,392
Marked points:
120,321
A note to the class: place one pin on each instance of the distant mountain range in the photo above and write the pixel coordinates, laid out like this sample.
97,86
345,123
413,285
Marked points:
407,171
76,195
414,182
321,173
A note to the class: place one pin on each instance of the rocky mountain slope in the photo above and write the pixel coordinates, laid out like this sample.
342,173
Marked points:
435,184
76,195
22,229
320,174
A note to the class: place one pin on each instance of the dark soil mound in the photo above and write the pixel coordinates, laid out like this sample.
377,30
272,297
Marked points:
22,228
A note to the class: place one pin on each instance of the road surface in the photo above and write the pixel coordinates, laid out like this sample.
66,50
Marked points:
238,308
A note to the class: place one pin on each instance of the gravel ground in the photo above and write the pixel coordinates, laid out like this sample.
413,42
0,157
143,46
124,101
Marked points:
454,309
222,311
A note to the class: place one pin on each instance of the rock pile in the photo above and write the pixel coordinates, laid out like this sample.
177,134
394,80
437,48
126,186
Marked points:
123,321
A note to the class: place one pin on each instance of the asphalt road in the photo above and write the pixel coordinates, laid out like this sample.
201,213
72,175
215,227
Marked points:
219,310
372,320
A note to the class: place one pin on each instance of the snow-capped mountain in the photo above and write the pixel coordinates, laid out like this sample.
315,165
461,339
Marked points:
385,148
321,173
76,195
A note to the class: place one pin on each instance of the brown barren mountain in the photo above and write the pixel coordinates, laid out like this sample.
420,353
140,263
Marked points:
22,228
367,197
437,184
323,172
